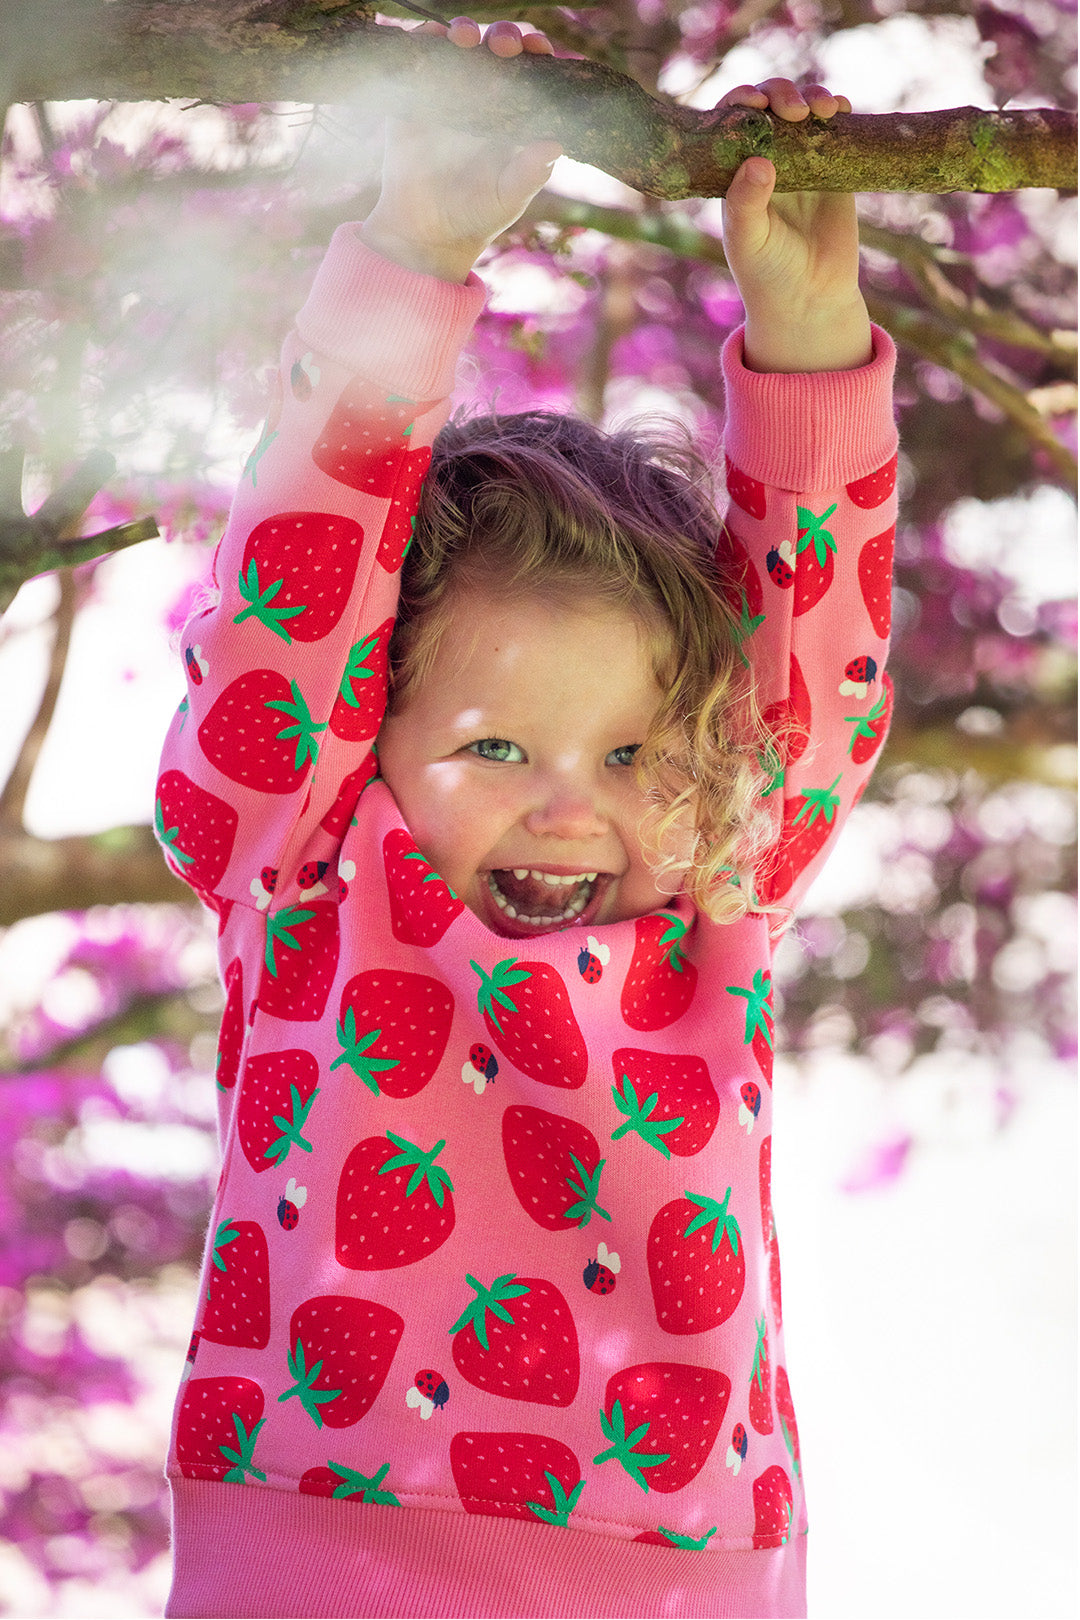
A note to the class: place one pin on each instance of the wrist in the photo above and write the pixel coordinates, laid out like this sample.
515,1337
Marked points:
818,340
444,263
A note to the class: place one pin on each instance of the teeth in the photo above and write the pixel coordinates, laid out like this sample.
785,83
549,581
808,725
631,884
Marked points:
567,881
572,911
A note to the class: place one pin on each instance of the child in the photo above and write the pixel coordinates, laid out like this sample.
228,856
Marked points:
513,1346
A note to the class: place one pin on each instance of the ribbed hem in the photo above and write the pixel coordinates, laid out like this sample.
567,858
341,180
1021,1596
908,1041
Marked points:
395,325
811,430
242,1550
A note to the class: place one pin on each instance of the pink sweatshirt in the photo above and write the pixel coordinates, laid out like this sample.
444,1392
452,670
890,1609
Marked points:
490,1316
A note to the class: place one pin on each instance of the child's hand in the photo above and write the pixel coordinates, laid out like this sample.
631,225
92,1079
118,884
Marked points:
445,195
795,257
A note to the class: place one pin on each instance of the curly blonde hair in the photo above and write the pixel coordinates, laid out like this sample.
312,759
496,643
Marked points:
544,503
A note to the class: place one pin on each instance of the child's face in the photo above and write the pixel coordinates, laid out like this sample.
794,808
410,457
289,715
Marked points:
511,763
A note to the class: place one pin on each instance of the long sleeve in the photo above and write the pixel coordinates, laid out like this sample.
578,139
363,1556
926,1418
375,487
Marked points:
271,748
811,478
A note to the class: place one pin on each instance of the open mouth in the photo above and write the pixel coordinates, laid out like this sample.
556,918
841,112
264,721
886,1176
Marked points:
530,902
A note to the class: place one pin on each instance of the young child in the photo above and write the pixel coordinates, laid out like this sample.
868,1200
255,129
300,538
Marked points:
490,1319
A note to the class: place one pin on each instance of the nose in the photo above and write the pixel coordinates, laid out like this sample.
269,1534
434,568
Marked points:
565,811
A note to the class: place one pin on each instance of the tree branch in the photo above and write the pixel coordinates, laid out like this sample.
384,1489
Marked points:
947,343
121,867
38,544
234,51
13,798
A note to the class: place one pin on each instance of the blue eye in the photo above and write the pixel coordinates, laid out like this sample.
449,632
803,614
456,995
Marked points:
616,755
498,749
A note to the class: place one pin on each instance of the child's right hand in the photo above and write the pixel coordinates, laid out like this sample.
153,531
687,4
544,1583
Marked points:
445,194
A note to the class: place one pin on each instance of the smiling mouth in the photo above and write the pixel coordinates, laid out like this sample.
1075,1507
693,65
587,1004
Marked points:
542,900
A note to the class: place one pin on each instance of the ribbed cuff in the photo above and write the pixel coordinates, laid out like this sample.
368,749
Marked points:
810,430
396,326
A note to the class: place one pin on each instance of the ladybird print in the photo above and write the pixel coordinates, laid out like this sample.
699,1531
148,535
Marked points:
428,1392
749,1104
736,1452
601,1273
290,1204
592,959
479,1068
859,675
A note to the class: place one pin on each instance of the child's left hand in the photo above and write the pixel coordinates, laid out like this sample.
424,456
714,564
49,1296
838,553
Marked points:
795,257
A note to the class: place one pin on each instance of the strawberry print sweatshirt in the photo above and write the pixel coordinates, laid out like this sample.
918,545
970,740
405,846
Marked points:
492,1280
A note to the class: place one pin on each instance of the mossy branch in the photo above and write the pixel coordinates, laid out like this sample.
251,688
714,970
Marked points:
234,51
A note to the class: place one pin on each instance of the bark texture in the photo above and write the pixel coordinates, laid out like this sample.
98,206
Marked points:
236,51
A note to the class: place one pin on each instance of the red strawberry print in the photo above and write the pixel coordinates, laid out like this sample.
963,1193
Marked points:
554,1166
300,961
516,1476
747,492
217,1425
875,579
395,1205
761,1382
260,733
231,1034
790,717
741,587
772,1508
361,701
671,1538
785,1411
400,525
697,1263
422,906
393,1030
876,487
668,1098
808,821
366,437
768,1229
662,1419
527,1011
814,551
870,728
276,1095
341,813
660,981
297,573
340,1351
517,1338
238,1291
195,829
339,1482
758,1029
